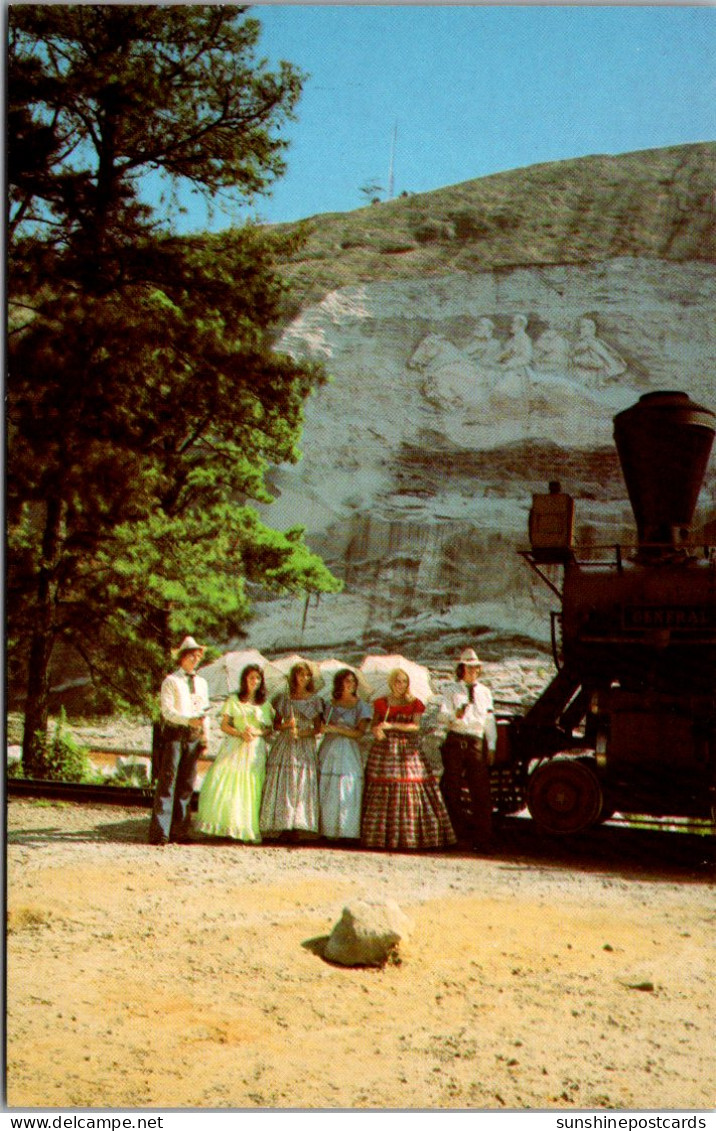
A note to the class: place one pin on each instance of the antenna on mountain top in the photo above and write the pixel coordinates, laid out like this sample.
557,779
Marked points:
391,180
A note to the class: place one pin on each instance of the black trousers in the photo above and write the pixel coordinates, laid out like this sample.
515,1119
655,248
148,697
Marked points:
171,814
464,756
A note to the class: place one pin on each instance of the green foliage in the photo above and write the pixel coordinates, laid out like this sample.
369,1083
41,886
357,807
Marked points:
469,225
129,777
145,398
396,247
434,231
505,220
355,241
173,88
61,758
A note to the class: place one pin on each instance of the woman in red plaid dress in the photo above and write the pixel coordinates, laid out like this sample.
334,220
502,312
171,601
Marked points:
402,804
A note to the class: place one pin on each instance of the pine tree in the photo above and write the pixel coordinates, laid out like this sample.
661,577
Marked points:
145,400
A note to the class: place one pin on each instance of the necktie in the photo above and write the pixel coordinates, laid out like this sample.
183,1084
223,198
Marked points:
192,685
473,692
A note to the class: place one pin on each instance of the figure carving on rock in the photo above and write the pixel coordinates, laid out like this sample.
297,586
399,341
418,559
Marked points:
512,386
551,352
516,354
484,348
447,373
518,376
591,359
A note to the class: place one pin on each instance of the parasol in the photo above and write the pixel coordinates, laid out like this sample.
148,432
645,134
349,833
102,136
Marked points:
222,675
328,669
376,669
284,664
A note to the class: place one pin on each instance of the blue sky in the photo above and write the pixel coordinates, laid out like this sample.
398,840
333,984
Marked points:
475,90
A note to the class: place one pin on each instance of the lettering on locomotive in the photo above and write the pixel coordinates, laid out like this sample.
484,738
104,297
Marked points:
686,617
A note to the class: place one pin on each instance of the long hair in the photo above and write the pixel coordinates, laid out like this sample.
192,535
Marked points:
339,680
460,669
292,677
391,680
260,696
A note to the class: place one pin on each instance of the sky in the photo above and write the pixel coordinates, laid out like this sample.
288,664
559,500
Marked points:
444,94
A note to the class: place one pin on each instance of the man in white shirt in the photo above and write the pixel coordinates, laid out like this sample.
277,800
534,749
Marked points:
468,712
184,702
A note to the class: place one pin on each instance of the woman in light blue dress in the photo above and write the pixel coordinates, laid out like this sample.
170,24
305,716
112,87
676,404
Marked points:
340,765
230,797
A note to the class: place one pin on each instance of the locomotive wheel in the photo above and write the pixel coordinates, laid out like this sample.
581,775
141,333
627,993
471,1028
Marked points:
564,796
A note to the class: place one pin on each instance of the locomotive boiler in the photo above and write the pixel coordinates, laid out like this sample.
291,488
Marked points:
628,723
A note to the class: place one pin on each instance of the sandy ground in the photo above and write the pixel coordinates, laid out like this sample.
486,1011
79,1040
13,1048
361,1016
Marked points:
545,976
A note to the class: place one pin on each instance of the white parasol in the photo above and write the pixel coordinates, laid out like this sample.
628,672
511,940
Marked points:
284,664
376,669
328,669
223,675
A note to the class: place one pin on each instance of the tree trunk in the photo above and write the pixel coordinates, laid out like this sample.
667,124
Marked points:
41,646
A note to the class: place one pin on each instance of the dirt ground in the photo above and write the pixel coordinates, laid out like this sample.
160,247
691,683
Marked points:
544,976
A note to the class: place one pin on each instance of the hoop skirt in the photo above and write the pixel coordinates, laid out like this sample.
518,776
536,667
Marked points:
230,796
402,804
290,799
340,774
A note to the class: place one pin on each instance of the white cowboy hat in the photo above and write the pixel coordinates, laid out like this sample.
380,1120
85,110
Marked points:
470,657
188,644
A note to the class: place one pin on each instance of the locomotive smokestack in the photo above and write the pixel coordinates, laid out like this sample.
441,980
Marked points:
664,442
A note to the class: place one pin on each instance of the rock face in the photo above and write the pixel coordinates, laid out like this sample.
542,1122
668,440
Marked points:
452,401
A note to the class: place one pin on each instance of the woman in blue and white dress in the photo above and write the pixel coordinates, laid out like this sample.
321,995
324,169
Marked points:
289,807
340,765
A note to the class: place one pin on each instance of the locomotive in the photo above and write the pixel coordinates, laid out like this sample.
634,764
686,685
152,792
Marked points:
628,723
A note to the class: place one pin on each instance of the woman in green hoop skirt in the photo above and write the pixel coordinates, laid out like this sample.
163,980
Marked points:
230,797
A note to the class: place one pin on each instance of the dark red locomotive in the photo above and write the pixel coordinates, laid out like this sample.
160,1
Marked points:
629,721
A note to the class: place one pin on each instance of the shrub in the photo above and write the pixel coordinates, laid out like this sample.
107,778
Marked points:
396,247
62,758
349,242
506,221
434,231
469,225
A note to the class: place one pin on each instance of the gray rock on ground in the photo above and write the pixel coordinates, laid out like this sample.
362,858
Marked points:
367,933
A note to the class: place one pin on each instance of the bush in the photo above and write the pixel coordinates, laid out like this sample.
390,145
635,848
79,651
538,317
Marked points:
396,247
469,225
506,221
62,758
434,231
350,242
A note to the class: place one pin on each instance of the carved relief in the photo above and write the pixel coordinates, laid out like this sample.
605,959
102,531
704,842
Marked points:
490,370
484,348
593,359
447,373
551,352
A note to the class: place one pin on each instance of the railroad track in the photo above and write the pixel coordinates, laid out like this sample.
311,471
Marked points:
96,794
80,792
